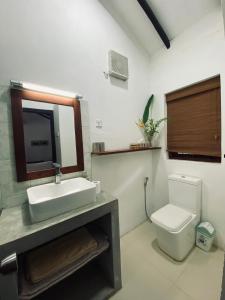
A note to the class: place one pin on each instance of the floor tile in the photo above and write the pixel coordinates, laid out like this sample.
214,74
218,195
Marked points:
174,293
148,273
143,239
202,279
143,282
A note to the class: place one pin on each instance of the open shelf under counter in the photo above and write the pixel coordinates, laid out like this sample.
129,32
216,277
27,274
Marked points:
95,279
125,150
89,282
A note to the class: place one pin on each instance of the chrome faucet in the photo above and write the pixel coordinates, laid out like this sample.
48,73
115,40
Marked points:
58,173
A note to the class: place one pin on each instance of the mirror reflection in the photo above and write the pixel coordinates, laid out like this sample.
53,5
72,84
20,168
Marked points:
49,135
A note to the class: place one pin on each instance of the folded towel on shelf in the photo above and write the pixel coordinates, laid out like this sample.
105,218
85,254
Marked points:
29,290
54,256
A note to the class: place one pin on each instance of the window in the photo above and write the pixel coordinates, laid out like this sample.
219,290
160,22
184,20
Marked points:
194,122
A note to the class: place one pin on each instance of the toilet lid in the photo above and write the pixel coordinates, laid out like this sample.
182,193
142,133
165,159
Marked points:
171,217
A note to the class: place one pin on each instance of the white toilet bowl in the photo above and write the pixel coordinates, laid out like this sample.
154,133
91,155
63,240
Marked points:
176,236
175,223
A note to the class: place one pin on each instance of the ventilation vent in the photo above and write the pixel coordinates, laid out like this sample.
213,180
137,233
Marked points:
118,65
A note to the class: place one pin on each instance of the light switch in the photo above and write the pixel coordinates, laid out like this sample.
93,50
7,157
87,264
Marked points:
99,123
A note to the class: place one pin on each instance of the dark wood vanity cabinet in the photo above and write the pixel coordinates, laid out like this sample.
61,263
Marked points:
98,279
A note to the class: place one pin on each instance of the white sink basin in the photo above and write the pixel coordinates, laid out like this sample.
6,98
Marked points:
49,200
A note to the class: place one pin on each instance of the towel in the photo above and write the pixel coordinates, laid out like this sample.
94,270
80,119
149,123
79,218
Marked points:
49,259
29,290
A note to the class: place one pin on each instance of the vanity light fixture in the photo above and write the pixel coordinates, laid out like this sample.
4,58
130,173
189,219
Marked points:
44,89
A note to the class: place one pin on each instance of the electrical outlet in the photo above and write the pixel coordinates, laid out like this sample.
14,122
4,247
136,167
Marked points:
99,123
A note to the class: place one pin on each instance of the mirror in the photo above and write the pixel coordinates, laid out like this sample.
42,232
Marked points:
47,130
48,135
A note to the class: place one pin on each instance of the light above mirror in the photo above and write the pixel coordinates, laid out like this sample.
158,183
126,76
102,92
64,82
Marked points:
44,89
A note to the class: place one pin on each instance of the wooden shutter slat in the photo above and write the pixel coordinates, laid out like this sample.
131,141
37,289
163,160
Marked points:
210,84
194,123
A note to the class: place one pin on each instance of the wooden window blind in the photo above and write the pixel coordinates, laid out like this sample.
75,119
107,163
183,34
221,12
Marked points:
194,122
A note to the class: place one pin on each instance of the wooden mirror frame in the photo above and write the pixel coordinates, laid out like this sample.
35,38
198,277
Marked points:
17,95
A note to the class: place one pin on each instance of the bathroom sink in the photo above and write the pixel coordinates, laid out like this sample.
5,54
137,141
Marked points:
49,200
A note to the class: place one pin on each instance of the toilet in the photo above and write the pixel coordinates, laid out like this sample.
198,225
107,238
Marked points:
175,223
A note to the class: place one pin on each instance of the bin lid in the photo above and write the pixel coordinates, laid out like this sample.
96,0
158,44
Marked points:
206,229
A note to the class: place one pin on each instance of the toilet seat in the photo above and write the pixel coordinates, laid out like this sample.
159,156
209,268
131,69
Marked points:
172,218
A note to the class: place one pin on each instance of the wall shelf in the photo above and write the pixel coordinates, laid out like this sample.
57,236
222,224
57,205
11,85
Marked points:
116,151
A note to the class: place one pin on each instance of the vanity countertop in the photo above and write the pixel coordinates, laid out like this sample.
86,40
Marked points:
15,222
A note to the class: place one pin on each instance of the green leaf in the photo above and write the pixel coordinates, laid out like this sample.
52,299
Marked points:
160,121
147,107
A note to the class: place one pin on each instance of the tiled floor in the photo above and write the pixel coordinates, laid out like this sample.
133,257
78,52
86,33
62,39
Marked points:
148,274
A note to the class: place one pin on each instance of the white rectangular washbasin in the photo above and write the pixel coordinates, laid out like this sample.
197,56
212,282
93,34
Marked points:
49,200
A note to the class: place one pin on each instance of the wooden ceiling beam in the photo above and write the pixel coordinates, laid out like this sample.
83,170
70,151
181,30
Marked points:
150,14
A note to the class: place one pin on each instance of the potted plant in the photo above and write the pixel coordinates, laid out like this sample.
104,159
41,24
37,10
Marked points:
149,126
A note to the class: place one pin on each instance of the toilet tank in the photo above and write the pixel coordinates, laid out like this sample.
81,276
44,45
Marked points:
185,192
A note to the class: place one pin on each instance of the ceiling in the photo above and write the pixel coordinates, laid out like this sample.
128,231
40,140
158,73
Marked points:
175,16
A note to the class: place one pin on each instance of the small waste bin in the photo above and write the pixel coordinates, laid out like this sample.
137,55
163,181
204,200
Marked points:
205,235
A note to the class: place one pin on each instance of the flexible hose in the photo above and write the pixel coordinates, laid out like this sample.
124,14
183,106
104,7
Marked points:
145,191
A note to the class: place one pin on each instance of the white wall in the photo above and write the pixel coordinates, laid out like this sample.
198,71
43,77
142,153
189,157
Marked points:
223,8
197,54
64,45
123,175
